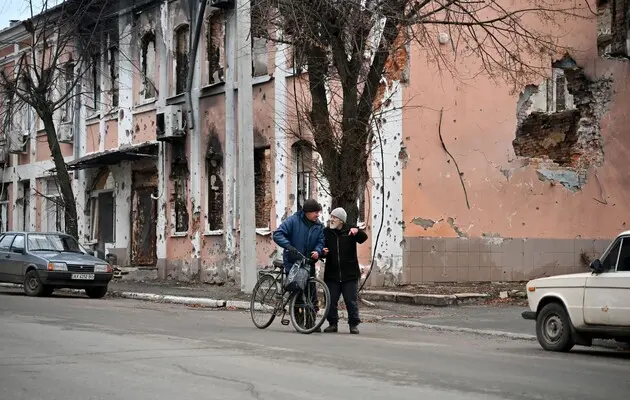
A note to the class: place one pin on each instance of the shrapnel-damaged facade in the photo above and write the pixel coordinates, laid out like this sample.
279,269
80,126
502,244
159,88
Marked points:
543,169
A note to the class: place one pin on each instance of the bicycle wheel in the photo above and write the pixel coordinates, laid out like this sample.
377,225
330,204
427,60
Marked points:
308,309
263,301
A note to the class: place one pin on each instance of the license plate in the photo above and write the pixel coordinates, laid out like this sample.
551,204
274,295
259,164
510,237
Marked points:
84,277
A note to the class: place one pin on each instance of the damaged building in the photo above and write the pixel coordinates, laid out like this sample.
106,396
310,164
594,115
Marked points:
494,187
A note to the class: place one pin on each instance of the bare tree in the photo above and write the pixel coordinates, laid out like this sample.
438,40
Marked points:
353,49
57,52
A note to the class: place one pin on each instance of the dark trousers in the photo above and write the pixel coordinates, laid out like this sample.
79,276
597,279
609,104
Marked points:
349,290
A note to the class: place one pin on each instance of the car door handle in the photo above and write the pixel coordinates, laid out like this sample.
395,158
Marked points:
7,256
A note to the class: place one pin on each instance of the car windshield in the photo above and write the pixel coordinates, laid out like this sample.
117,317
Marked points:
58,243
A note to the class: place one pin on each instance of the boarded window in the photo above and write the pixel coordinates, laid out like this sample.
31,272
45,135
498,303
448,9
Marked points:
181,58
261,186
612,28
147,59
215,38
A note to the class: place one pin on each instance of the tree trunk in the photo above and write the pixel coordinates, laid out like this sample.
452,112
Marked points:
63,178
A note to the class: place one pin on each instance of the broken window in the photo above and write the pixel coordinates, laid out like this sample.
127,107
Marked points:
560,119
114,58
66,115
179,176
101,209
4,207
361,207
54,208
259,42
558,97
147,59
303,157
612,28
95,81
181,58
215,192
262,174
23,203
215,38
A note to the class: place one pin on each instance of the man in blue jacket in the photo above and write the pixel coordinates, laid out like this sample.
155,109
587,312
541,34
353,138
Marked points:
301,232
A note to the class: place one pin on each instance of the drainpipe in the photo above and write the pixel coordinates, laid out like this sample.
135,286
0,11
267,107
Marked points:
195,36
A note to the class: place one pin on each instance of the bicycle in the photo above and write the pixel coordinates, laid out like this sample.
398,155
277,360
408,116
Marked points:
304,305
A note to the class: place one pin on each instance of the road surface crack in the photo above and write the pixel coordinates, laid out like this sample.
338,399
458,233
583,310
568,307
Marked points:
250,386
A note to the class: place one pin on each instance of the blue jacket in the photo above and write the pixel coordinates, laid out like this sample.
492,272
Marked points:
295,232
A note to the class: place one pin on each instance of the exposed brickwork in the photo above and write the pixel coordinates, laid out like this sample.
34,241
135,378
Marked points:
548,135
570,139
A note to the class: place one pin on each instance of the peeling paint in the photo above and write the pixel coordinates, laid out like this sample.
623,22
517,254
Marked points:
451,222
423,222
567,178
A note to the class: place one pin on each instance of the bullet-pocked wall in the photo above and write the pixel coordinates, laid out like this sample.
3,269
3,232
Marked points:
541,170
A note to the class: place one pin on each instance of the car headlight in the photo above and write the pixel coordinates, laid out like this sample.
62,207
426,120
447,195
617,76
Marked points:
102,268
57,266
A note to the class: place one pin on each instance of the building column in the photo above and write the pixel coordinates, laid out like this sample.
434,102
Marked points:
162,35
126,70
389,251
230,160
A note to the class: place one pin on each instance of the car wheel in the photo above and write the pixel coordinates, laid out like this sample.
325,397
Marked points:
553,328
32,285
96,292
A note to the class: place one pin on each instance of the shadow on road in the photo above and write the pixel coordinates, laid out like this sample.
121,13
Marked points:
54,295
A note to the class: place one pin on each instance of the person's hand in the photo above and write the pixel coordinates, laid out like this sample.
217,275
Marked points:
353,231
325,251
293,252
314,255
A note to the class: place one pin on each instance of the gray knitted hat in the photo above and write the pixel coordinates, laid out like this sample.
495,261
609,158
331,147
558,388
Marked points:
340,213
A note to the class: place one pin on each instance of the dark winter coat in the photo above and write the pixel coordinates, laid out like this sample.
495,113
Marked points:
306,236
342,262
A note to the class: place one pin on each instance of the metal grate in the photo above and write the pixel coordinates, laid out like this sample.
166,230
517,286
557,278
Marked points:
81,268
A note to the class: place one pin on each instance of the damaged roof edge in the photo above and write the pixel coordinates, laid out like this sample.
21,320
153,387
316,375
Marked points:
114,156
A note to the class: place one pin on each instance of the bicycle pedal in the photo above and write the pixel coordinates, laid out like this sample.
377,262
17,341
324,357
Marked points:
285,322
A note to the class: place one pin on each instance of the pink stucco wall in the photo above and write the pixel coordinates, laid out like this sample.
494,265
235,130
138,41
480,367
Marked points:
478,126
43,151
111,134
92,138
144,127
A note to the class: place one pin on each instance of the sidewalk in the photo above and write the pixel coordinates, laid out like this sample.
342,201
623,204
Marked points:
420,295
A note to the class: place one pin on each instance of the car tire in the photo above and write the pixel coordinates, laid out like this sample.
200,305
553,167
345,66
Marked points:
553,328
33,287
97,292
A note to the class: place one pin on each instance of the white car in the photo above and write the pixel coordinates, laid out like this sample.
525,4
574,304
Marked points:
577,308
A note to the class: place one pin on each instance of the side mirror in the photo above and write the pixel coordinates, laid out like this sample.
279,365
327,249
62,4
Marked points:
596,266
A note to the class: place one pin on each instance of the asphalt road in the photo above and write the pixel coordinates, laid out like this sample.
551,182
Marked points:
77,348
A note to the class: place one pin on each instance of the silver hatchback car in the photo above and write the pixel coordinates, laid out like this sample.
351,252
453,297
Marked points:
43,262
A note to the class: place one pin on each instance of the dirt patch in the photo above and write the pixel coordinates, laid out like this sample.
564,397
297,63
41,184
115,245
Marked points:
494,289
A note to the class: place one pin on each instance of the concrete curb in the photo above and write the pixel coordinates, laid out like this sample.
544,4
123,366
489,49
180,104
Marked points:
437,300
447,328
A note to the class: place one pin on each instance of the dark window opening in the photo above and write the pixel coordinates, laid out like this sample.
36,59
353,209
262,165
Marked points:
215,37
179,176
215,193
261,186
181,58
68,88
114,58
148,64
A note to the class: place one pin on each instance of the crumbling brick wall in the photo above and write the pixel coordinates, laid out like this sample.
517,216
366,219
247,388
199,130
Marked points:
552,136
